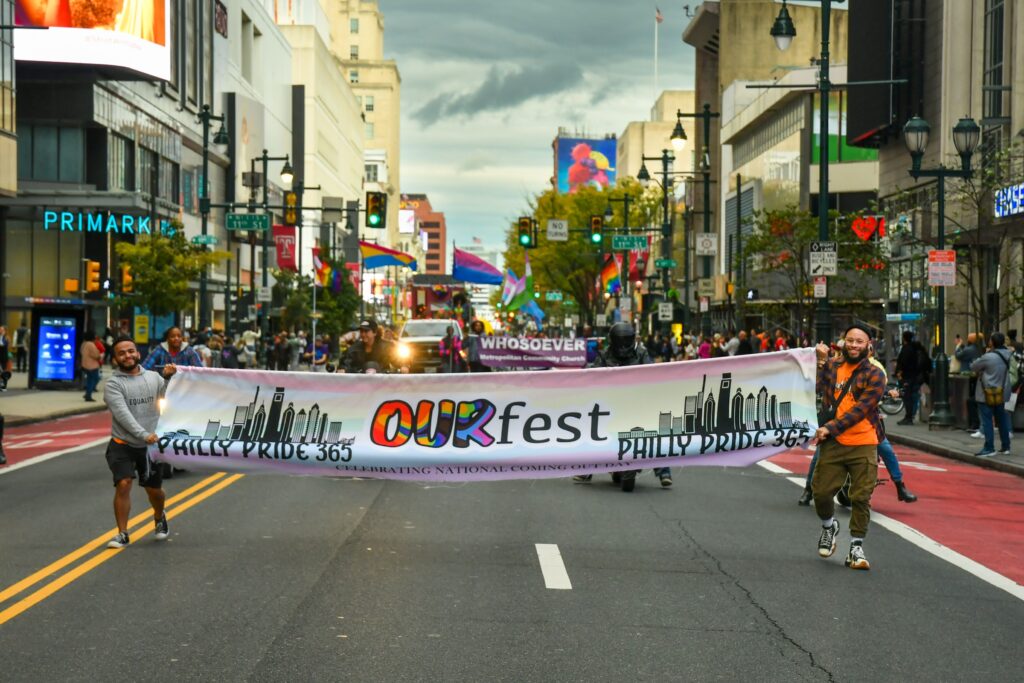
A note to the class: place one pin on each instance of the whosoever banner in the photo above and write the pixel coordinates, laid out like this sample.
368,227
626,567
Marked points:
729,411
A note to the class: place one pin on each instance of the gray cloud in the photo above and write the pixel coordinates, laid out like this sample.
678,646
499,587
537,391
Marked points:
502,91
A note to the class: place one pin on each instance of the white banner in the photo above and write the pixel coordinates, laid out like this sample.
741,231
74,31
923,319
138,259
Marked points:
504,425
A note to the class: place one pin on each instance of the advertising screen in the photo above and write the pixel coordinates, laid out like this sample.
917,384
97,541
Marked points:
582,163
55,349
128,34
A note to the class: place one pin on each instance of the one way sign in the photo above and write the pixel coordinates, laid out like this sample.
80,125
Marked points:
824,258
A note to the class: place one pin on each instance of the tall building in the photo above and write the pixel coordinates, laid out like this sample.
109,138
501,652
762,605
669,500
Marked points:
357,32
8,144
432,229
649,138
960,59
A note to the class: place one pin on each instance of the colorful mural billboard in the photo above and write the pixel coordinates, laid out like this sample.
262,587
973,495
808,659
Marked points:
584,163
127,34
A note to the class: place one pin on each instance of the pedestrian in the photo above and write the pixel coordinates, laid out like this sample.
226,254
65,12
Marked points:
704,350
967,354
450,350
780,340
320,353
851,389
174,350
731,345
991,394
5,349
744,347
912,369
90,360
132,395
296,344
21,336
229,354
216,347
476,332
282,354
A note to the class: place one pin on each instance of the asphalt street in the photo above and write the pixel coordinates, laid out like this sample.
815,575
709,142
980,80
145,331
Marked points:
279,578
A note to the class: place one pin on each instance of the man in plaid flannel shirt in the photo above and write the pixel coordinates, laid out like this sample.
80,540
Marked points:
848,442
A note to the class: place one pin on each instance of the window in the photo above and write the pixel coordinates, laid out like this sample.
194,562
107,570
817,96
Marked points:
371,173
121,164
353,76
148,171
353,25
353,52
175,40
7,115
51,154
369,130
994,90
247,39
369,103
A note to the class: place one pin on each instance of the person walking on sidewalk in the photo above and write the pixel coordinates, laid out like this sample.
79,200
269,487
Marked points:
21,336
132,395
993,390
851,389
92,361
912,368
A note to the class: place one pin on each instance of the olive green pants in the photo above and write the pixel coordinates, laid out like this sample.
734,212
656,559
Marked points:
835,462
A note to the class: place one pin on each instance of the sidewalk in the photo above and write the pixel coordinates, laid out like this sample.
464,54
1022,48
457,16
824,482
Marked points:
20,405
956,444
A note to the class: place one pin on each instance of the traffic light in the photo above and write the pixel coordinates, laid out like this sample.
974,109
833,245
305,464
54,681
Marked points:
536,292
92,276
291,201
376,209
126,279
526,232
596,229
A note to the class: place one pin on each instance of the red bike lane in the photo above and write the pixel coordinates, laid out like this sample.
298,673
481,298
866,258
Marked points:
975,511
25,443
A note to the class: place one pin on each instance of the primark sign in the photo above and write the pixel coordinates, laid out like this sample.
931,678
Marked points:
1009,201
119,223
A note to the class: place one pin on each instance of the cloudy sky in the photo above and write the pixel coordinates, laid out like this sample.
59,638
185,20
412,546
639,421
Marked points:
485,86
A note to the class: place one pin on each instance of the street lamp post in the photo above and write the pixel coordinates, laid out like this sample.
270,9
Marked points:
623,279
287,175
666,159
220,138
783,31
678,140
966,134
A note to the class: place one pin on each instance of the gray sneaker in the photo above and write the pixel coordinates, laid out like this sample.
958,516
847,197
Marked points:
119,541
162,531
827,540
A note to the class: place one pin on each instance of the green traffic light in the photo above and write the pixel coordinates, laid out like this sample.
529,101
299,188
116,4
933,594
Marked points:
374,219
596,238
524,239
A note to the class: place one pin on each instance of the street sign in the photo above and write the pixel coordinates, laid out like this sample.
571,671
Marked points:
706,244
704,303
204,239
264,295
665,263
941,268
558,231
552,296
706,287
601,320
820,287
628,242
568,321
665,312
248,221
824,257
902,317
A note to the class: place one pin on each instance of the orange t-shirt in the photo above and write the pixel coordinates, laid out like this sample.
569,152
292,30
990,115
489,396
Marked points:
863,433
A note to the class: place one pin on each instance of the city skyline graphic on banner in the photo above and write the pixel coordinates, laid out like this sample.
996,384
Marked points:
729,413
277,424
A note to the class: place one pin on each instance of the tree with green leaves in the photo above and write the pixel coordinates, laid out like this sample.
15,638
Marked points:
162,266
776,257
337,310
572,267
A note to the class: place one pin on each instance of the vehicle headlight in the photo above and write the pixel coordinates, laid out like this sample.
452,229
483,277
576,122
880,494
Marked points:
404,351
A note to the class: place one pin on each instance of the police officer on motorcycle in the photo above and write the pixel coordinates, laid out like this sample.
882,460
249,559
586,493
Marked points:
370,352
624,350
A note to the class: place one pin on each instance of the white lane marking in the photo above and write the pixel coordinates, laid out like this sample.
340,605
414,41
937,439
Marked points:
551,565
50,456
926,543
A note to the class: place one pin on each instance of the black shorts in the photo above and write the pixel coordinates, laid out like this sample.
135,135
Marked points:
126,462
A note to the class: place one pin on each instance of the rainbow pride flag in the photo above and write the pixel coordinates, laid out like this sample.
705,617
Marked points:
376,256
610,276
325,274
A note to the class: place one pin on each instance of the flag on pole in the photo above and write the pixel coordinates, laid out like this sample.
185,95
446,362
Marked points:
376,256
610,281
657,15
509,290
524,291
471,268
323,271
477,240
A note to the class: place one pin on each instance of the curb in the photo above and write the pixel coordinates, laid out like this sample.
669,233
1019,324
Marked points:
21,420
953,454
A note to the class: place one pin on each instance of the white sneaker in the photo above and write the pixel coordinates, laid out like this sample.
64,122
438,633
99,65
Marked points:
977,435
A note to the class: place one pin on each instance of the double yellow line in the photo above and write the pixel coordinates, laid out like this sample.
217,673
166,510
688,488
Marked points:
191,496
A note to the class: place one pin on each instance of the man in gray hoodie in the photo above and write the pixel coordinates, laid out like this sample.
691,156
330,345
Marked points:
132,395
993,369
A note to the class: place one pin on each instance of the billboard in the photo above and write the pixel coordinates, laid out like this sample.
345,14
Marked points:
127,34
56,349
584,163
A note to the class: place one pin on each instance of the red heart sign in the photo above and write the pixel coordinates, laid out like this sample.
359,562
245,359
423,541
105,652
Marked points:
865,226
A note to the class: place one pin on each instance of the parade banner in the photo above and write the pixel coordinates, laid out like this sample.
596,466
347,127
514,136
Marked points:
508,425
532,352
